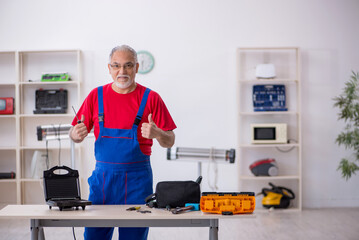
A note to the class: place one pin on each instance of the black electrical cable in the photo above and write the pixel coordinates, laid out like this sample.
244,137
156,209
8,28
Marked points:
73,233
47,155
290,149
57,134
59,144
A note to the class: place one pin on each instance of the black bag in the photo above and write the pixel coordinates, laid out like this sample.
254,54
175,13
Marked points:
172,194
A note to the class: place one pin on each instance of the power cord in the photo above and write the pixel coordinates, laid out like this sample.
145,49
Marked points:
57,134
73,233
212,161
47,156
288,150
59,145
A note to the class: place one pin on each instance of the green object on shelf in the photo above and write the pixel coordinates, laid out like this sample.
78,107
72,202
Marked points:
55,77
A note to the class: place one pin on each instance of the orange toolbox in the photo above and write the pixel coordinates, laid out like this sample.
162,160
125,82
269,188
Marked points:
228,203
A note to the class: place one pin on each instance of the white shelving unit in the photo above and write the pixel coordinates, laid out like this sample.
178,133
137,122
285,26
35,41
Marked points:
20,75
288,156
9,150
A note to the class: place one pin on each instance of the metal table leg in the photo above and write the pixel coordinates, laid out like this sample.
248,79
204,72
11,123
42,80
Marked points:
213,229
34,233
41,233
37,232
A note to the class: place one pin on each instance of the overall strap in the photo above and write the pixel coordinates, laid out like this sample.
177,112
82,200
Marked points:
142,107
100,106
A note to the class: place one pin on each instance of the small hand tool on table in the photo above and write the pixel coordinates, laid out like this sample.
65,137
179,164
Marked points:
137,209
187,208
133,209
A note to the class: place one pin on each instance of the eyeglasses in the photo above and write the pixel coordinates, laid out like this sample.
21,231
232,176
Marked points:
127,66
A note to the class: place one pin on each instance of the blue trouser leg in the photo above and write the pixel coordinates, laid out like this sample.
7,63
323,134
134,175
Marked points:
119,187
132,233
98,233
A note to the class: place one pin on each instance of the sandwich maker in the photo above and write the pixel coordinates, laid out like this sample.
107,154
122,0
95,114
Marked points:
62,190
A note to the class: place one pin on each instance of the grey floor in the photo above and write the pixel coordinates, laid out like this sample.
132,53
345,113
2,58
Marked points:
333,223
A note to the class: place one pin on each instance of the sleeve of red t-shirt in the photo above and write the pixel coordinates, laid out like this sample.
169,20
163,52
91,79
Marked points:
87,110
160,113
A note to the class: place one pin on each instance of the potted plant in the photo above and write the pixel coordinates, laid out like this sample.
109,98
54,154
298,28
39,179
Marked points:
348,104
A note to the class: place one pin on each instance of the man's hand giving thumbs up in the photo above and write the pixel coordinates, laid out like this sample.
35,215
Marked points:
150,130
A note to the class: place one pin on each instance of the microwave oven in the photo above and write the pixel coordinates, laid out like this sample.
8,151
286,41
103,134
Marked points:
263,133
6,105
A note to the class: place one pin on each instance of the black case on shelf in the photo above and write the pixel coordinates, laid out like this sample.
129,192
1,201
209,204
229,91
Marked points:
50,101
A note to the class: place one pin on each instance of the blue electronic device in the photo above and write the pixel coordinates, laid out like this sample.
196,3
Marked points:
269,98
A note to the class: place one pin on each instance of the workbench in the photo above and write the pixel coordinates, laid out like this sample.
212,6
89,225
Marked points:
111,216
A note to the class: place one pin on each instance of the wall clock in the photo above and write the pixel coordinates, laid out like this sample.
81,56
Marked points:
146,61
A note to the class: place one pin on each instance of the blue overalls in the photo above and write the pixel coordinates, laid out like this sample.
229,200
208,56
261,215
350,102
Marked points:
122,175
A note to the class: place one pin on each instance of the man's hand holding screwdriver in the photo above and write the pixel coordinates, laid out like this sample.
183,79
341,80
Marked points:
79,131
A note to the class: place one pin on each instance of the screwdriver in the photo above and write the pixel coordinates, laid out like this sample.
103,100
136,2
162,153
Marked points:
133,208
78,120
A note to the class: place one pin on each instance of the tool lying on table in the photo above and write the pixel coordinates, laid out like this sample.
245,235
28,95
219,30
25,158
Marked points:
133,209
187,208
144,211
137,209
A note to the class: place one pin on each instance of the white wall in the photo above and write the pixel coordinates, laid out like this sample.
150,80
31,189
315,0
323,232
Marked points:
194,44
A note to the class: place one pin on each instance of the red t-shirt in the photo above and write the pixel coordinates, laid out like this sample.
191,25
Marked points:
120,111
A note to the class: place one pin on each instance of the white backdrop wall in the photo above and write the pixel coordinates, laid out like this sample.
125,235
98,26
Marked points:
194,44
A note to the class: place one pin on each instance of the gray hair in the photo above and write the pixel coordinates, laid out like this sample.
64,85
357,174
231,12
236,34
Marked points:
124,48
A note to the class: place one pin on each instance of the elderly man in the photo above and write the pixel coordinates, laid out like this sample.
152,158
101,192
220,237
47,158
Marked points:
126,118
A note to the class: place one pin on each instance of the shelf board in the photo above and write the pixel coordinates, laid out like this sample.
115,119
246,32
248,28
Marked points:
30,115
34,180
7,52
49,83
7,181
267,48
287,177
44,148
7,148
8,116
268,145
8,84
268,113
51,51
262,210
267,81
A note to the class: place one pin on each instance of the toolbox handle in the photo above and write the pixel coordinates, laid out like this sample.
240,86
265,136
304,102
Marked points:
70,172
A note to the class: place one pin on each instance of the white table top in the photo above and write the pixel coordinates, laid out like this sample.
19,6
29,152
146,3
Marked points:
103,212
